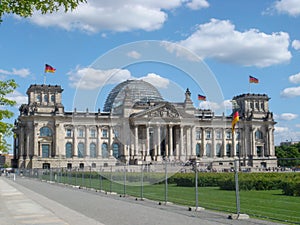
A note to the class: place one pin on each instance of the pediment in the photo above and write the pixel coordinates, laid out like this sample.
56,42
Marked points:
165,110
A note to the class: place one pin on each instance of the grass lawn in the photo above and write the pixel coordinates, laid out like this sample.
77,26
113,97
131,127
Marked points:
271,205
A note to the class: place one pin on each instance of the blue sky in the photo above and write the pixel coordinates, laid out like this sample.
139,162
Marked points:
229,40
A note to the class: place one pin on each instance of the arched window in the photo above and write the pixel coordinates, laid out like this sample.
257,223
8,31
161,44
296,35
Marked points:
38,98
228,150
93,153
258,134
45,98
80,150
45,132
116,150
198,150
105,150
208,150
218,150
69,150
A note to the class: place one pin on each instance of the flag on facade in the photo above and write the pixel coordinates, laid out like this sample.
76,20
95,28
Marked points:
235,119
49,69
253,80
201,97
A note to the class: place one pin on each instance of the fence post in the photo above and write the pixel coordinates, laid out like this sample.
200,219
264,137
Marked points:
237,195
111,177
196,184
100,179
124,180
142,182
166,182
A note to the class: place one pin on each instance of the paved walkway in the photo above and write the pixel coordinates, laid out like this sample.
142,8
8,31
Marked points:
28,201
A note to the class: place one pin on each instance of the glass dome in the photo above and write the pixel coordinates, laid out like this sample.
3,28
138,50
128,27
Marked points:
139,91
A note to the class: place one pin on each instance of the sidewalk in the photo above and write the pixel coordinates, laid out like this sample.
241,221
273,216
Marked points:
18,208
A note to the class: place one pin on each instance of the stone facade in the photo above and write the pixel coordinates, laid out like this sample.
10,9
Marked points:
136,131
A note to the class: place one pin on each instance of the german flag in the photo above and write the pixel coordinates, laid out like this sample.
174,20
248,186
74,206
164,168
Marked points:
201,98
49,69
235,119
253,80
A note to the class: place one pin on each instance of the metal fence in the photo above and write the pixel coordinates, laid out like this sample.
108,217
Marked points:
259,194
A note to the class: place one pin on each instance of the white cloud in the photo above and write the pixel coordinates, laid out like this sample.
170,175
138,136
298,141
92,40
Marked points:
226,104
156,80
290,92
295,78
284,133
134,55
117,15
290,7
21,72
18,97
220,40
286,116
297,125
281,129
296,44
197,4
89,78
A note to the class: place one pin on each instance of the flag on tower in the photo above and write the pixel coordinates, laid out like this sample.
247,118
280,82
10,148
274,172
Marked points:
201,98
235,119
253,80
49,69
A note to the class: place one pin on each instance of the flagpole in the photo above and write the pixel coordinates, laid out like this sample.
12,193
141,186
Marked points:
44,78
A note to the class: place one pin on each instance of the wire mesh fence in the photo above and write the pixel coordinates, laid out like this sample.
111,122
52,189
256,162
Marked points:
269,193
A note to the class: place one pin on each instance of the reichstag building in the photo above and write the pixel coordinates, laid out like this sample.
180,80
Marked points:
138,126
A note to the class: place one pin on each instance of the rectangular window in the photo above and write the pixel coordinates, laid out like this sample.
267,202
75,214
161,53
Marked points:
104,133
93,133
69,132
218,134
116,132
198,134
208,134
80,133
238,135
228,135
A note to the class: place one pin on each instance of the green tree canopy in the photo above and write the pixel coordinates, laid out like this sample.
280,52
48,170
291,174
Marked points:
288,155
25,8
6,87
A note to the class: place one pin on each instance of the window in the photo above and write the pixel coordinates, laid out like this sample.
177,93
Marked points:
69,132
208,150
198,134
93,133
198,150
104,133
208,134
93,165
259,151
218,150
116,132
81,166
45,132
69,150
228,134
116,150
218,134
45,151
45,98
80,150
93,153
38,98
52,98
105,150
228,150
69,166
238,135
80,132
258,134
237,148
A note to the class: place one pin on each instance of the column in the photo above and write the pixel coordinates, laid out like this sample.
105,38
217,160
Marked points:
213,143
223,148
75,152
136,141
98,147
158,143
35,139
170,140
193,147
253,150
271,142
110,142
147,158
56,151
181,143
87,143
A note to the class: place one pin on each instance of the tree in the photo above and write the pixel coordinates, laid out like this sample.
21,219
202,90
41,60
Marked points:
288,155
25,8
6,87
